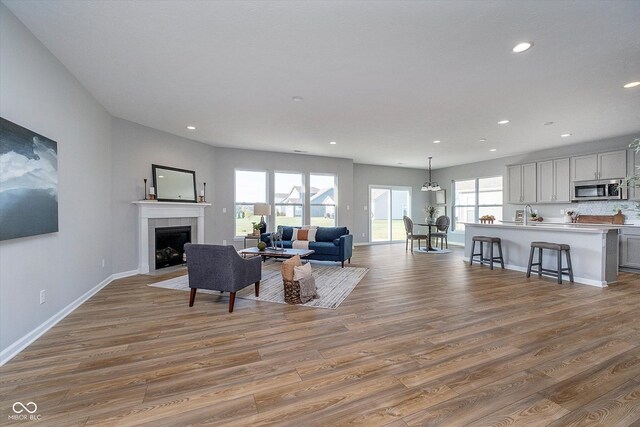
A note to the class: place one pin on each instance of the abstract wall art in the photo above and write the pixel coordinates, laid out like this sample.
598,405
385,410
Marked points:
28,182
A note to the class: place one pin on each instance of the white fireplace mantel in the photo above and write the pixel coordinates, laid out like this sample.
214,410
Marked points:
153,209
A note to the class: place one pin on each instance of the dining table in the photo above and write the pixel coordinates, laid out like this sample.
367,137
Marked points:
429,227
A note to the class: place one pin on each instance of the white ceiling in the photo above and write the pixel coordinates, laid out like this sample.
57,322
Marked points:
382,78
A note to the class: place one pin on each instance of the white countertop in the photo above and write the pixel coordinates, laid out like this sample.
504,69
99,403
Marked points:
541,226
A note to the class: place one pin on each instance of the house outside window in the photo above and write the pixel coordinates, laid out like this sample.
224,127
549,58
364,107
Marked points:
323,199
289,197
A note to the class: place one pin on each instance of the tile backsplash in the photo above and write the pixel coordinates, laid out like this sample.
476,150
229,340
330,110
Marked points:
630,209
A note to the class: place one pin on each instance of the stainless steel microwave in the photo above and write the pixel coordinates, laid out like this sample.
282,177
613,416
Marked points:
605,189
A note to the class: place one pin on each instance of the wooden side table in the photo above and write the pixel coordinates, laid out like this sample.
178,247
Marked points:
250,237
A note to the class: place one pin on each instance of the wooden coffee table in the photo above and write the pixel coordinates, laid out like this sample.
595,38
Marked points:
271,253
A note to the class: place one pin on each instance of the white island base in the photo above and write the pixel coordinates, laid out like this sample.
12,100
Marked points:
594,248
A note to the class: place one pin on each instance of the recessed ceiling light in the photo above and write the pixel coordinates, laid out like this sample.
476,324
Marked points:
297,99
400,163
299,151
482,140
437,141
493,149
630,85
565,135
503,122
333,143
548,123
191,127
521,47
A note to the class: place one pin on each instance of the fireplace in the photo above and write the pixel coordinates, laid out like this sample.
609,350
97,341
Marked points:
170,243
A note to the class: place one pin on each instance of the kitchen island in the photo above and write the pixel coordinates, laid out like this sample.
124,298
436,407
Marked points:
594,248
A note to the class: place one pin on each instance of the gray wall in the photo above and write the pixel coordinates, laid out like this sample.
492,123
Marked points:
227,160
37,92
135,149
366,175
497,167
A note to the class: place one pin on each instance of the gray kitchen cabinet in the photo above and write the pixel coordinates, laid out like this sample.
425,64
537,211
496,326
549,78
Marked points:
634,192
630,247
554,181
608,165
521,181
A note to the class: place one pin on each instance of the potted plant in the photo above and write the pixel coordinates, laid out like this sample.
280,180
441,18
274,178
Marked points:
256,229
431,214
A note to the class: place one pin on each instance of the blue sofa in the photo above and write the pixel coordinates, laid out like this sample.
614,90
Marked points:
332,243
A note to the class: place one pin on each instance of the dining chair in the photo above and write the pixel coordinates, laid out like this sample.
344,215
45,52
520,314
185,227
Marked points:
408,226
442,224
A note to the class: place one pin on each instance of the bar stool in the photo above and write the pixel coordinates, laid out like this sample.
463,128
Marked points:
490,241
559,247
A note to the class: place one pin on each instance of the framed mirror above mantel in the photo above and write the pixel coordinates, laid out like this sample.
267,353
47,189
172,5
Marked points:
174,184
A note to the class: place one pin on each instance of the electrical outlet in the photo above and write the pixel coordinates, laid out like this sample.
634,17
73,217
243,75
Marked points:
42,296
561,211
365,207
103,263
363,235
224,242
348,207
224,210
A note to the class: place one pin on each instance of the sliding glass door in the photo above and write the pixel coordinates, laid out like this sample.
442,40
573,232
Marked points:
387,206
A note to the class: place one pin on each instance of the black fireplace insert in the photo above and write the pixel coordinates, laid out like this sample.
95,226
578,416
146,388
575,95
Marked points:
170,243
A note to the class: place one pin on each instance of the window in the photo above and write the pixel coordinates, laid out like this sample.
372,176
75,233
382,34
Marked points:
323,197
251,188
289,198
474,198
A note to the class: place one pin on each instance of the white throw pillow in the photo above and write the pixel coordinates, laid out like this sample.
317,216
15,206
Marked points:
302,271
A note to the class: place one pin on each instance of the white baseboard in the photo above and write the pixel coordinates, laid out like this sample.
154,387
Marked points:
124,274
22,343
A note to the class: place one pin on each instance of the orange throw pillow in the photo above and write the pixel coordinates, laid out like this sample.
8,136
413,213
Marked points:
303,235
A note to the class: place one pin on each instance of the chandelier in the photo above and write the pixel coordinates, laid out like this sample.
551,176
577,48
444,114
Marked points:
430,185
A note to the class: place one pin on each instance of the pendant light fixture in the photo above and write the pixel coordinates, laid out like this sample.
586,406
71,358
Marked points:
430,185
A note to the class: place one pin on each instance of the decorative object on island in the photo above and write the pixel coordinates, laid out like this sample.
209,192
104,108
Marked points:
145,189
431,212
487,219
203,193
430,185
262,209
29,182
570,217
174,184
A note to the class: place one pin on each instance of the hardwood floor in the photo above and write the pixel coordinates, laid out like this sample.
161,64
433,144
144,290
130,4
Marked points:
422,340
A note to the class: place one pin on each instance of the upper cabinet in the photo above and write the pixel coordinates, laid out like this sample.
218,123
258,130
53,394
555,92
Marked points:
608,165
553,181
521,180
634,192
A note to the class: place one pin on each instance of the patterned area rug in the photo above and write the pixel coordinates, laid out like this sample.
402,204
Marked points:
334,284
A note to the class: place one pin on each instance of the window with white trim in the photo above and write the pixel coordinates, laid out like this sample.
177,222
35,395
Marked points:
474,198
289,198
323,199
250,188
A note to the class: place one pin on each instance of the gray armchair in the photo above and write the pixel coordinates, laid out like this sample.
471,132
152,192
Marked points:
220,268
